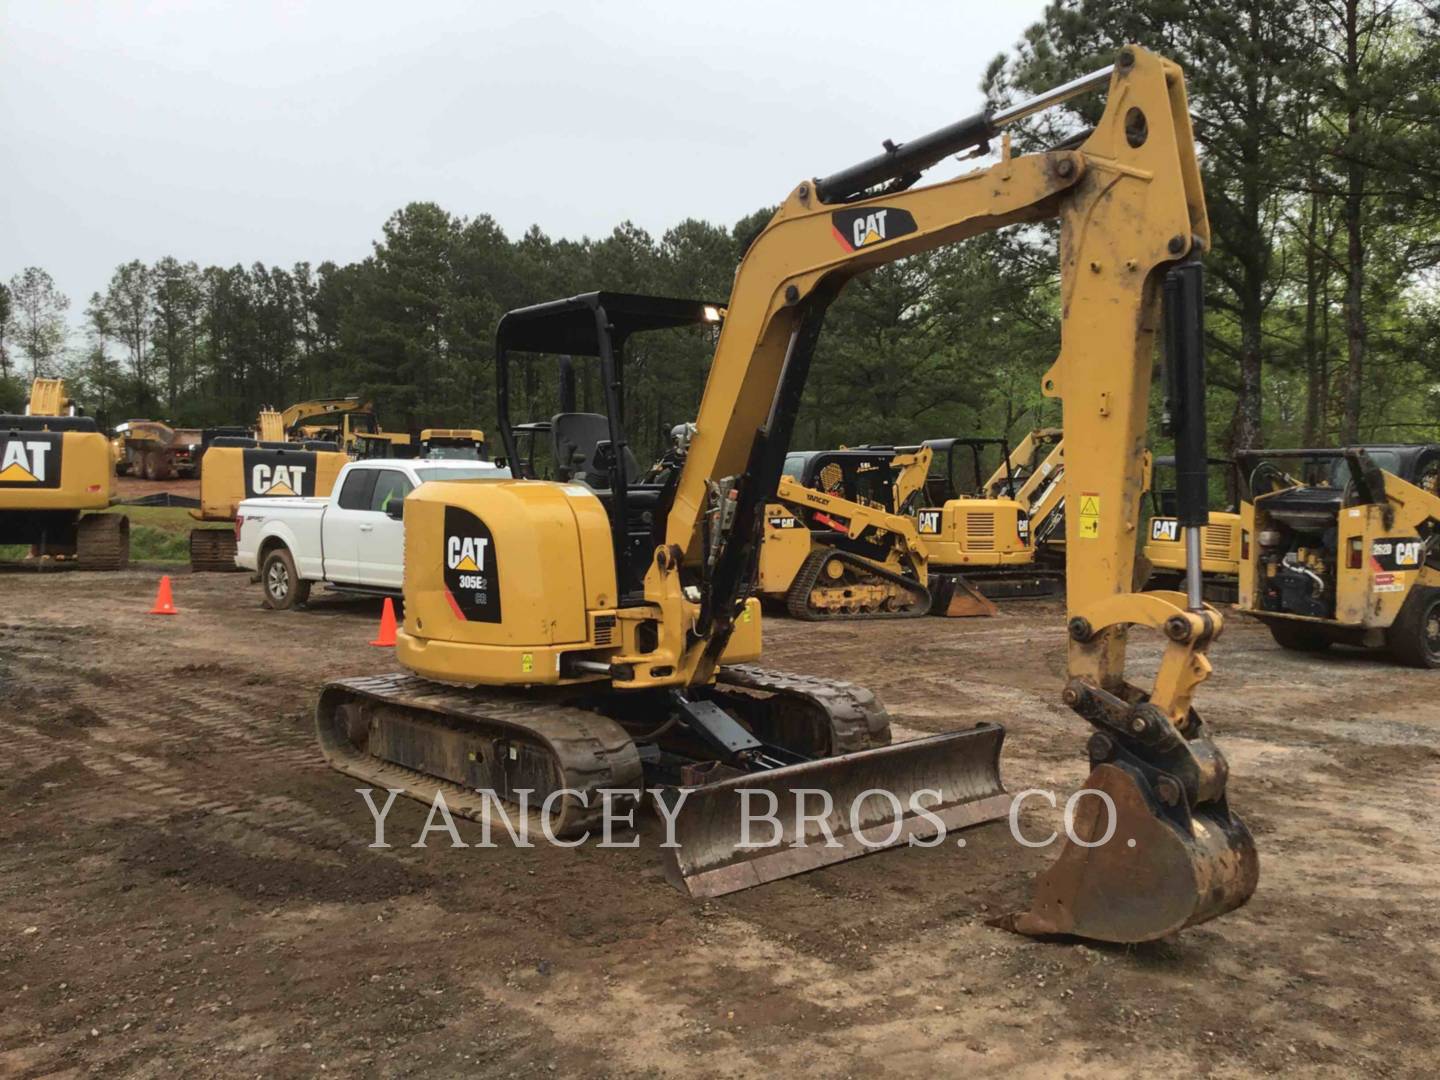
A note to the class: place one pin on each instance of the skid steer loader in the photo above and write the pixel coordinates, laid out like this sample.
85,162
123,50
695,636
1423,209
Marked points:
1350,555
595,633
56,470
836,545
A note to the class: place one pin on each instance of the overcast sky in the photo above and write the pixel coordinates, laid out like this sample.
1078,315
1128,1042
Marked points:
271,131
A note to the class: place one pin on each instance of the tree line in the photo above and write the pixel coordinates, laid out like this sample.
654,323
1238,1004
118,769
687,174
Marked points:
1318,123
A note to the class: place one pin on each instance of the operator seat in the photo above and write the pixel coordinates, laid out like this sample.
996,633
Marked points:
576,438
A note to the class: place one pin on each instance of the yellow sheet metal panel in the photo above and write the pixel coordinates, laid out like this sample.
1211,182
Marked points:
510,563
231,473
976,533
52,470
786,546
744,643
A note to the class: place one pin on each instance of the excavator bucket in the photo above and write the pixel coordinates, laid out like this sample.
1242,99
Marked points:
1160,870
877,799
956,598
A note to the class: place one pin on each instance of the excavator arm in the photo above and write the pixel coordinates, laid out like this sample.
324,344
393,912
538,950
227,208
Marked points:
1132,226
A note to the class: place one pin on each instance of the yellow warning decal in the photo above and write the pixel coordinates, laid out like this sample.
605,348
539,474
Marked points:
1089,515
527,662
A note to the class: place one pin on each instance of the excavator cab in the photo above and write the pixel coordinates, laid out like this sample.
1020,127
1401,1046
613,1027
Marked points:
590,448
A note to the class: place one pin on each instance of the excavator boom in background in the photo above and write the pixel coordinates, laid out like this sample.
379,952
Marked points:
599,633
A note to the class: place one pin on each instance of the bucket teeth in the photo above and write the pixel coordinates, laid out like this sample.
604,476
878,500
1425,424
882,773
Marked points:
947,782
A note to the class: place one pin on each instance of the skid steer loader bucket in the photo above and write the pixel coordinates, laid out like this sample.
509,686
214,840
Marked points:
956,598
876,798
1163,868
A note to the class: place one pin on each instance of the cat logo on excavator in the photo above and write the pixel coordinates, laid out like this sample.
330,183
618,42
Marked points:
31,460
278,480
861,228
472,582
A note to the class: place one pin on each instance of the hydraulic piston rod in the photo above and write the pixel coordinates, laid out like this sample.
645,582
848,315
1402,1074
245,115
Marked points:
904,162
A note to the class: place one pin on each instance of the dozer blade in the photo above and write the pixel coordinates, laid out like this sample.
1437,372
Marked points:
956,598
1161,871
954,777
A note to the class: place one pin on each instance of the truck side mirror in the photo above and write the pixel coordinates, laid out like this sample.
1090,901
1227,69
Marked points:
395,510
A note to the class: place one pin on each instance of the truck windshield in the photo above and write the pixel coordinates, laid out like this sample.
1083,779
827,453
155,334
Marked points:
489,472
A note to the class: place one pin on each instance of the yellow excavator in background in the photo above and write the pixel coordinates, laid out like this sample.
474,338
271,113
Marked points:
235,467
337,420
975,532
56,471
1220,539
1034,476
593,633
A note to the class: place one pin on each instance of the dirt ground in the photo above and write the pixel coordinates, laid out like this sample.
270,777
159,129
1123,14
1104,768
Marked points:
135,487
186,889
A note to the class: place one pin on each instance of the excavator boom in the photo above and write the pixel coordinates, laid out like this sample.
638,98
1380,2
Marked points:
1133,224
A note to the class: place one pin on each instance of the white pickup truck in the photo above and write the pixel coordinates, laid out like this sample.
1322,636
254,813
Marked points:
353,539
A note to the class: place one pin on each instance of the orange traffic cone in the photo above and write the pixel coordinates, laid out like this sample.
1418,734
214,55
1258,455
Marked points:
164,602
387,626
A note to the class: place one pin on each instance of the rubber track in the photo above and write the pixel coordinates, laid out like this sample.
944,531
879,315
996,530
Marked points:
797,600
102,542
857,720
212,551
589,751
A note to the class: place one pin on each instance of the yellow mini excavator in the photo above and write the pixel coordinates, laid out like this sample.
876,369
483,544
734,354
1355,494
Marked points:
1347,551
975,532
235,467
56,468
1220,539
1034,476
592,633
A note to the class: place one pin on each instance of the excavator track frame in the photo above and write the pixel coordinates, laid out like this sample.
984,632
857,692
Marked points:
505,741
212,551
102,542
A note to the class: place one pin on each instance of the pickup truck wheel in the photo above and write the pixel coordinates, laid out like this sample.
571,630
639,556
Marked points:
283,587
